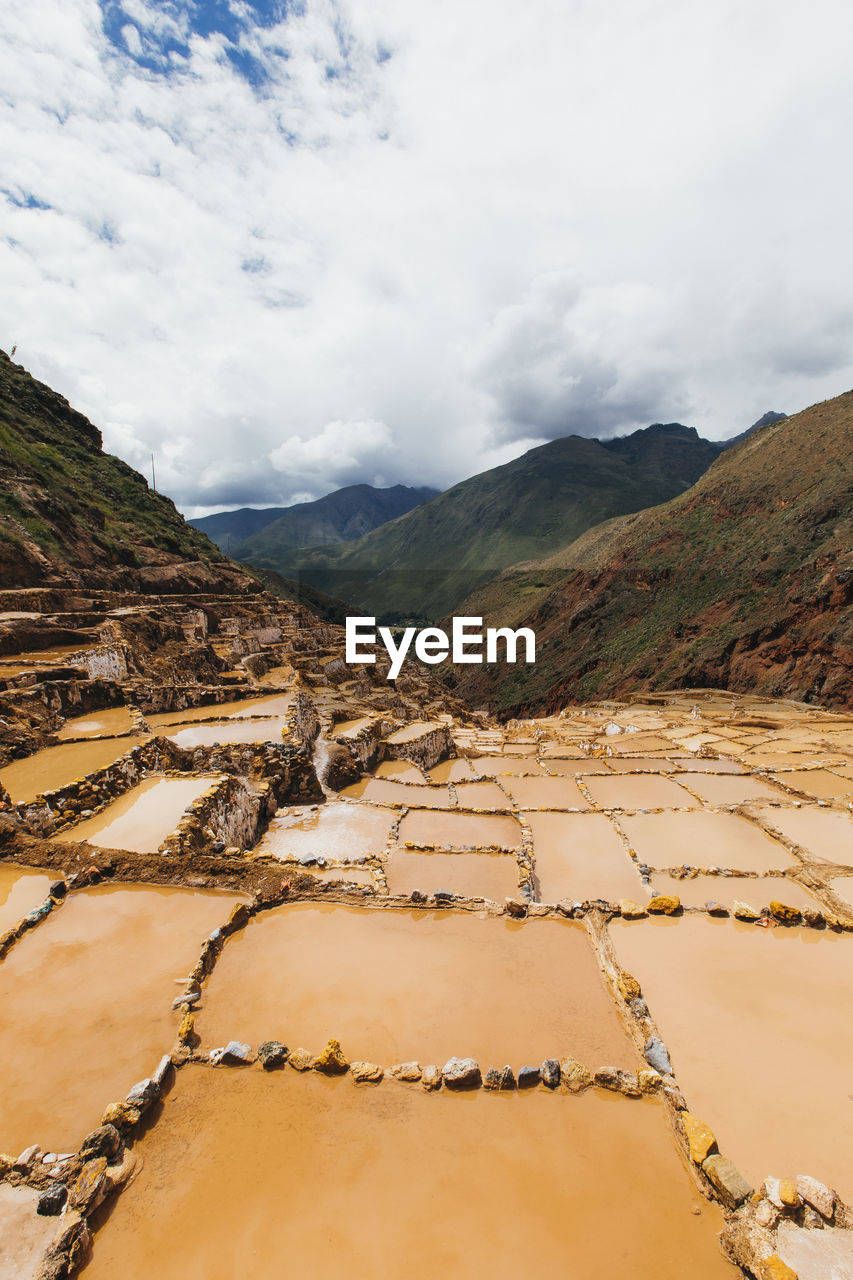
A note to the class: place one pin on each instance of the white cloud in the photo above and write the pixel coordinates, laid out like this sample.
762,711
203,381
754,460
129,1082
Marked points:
524,221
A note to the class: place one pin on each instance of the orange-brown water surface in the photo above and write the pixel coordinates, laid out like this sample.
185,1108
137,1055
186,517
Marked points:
397,985
639,791
703,840
335,830
140,820
821,832
86,1005
473,875
226,731
765,1062
21,890
580,856
113,720
56,767
546,793
459,830
250,1176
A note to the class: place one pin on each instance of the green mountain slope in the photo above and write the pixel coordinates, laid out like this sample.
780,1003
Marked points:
744,582
345,514
70,513
426,562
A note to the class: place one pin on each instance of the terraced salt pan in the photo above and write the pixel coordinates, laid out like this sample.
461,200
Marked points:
474,875
227,731
400,771
756,1026
756,892
639,791
578,768
502,1186
21,891
97,724
335,830
579,856
701,839
493,766
459,830
26,1236
843,886
56,767
718,789
638,764
352,727
394,986
413,731
278,705
821,832
86,1005
347,874
705,764
140,820
817,782
481,795
387,791
547,793
452,771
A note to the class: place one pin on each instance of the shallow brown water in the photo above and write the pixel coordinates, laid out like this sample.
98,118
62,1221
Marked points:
577,768
765,1062
113,720
580,856
481,795
337,831
400,771
140,820
817,782
756,892
452,771
492,766
414,730
56,767
86,1006
459,830
237,730
546,793
639,791
398,985
821,832
251,1176
703,840
719,789
473,875
638,764
705,764
387,791
21,891
276,705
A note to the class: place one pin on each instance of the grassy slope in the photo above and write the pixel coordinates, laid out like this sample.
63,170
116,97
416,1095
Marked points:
424,563
340,516
745,582
66,506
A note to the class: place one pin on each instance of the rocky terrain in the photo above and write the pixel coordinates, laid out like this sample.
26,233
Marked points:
744,582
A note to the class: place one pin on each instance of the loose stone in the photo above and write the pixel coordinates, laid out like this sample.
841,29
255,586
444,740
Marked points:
431,1078
300,1060
781,911
574,1075
629,987
122,1116
332,1061
656,1055
460,1073
272,1054
649,1081
143,1094
366,1072
528,1077
817,1195
607,1078
628,1084
516,908
407,1071
105,1141
27,1159
631,910
234,1054
773,1268
666,904
728,1182
700,1139
51,1201
499,1078
743,911
549,1073
716,908
87,1186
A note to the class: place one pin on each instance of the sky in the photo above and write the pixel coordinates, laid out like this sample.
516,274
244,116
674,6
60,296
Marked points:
291,245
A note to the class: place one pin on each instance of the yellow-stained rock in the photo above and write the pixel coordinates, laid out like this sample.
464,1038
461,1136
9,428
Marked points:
332,1060
700,1139
773,1268
300,1060
788,1193
574,1075
648,1080
122,1115
631,910
186,1031
366,1072
665,904
629,987
743,911
86,1189
788,915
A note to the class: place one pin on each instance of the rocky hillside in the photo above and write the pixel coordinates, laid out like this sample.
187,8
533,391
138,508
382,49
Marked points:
262,536
744,582
72,514
423,564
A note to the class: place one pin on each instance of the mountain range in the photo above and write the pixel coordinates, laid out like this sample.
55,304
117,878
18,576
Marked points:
265,535
424,563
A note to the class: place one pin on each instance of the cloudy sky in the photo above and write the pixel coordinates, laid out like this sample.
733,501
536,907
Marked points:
290,246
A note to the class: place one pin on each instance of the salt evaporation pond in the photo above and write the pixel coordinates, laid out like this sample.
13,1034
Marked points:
141,819
56,767
21,891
